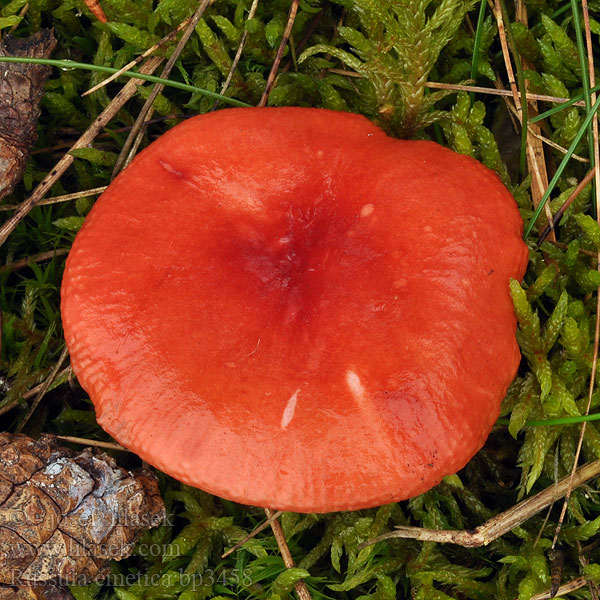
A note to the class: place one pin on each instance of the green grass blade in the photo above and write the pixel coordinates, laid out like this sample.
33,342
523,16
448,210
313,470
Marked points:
561,167
477,44
557,421
559,107
585,82
71,64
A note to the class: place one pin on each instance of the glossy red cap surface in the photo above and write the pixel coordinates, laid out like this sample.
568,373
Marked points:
287,308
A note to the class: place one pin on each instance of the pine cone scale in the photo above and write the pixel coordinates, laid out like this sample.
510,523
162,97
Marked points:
63,517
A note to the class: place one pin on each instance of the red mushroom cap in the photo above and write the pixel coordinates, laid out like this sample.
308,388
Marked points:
287,308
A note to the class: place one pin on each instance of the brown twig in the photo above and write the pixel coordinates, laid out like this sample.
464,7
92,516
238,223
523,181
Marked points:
554,145
33,391
535,155
538,537
506,54
565,206
288,561
253,533
238,54
457,87
63,198
535,158
584,562
112,132
138,59
86,138
309,31
22,13
567,588
596,170
135,135
492,91
581,250
87,442
592,75
10,406
44,389
30,393
500,524
279,55
24,262
535,141
551,555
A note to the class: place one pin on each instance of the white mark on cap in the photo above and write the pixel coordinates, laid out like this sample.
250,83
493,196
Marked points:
290,407
169,168
367,210
355,386
255,349
372,418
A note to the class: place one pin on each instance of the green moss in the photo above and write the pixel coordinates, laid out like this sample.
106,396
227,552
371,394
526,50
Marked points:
395,48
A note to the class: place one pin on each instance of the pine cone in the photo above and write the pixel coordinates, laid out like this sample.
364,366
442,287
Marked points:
63,517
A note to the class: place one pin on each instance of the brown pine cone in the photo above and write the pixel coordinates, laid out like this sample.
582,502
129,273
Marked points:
63,517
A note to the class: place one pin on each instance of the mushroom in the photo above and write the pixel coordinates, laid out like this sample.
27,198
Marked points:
288,308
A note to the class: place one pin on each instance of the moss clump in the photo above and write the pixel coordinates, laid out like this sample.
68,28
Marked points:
374,58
